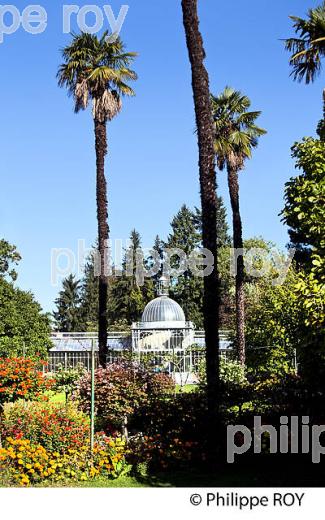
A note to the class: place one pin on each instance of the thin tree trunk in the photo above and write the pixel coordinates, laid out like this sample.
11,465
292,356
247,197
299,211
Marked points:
238,244
211,299
103,230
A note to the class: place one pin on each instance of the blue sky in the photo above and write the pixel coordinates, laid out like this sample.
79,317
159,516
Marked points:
47,164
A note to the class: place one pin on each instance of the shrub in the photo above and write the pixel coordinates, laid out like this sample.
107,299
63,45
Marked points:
21,378
120,389
181,416
159,385
269,363
231,372
55,426
25,464
161,453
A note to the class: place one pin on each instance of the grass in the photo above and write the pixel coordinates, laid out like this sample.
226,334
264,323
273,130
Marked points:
186,389
56,398
251,471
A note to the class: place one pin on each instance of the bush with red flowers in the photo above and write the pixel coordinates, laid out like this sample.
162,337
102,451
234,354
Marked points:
21,378
54,426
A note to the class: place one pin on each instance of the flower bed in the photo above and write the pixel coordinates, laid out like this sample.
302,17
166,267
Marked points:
20,378
26,464
56,427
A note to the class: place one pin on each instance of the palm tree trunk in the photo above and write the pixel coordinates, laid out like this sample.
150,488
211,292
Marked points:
211,299
103,230
238,244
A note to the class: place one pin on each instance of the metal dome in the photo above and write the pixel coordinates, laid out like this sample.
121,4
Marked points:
163,309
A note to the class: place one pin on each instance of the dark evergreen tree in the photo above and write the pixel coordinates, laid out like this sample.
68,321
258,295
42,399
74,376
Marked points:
127,295
186,289
158,247
67,316
186,235
224,239
89,295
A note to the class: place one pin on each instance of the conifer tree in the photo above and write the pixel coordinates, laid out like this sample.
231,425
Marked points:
67,316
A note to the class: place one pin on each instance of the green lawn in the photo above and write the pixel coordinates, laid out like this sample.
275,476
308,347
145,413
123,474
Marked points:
254,471
57,398
186,389
249,474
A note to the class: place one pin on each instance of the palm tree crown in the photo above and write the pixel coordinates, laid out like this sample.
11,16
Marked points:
97,70
308,50
236,133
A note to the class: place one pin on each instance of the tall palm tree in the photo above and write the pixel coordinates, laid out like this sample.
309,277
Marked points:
205,131
98,70
235,136
308,50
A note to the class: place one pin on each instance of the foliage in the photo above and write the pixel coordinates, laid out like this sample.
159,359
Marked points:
162,453
56,427
268,363
32,464
65,379
159,386
128,295
236,133
186,235
272,315
21,378
24,329
231,372
304,210
277,395
182,416
97,70
89,295
223,236
304,213
120,389
9,257
308,47
67,316
277,324
157,249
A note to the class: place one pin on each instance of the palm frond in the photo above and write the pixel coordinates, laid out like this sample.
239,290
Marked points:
307,50
236,133
98,69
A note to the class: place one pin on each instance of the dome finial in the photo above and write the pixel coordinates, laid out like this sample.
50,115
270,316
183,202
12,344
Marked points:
163,286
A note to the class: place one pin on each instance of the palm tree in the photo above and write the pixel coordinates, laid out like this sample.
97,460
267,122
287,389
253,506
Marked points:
308,50
98,70
205,131
235,136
